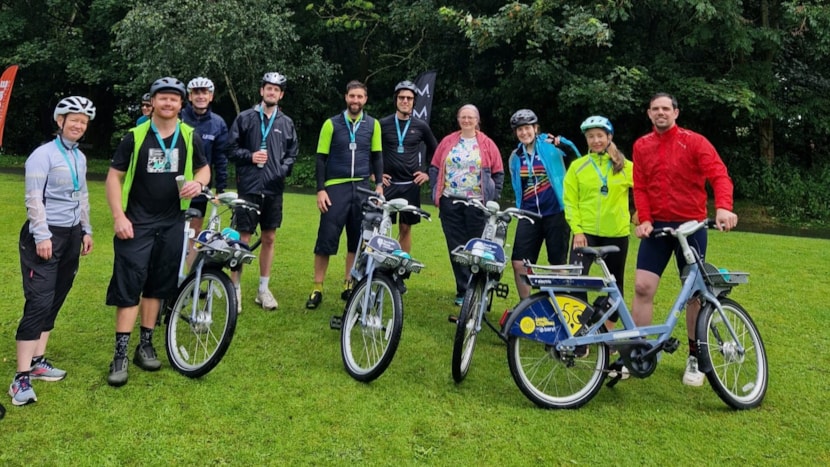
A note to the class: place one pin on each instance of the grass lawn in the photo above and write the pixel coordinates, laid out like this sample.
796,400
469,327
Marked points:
281,395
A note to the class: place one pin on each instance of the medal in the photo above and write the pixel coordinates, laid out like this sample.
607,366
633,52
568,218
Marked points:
76,195
604,190
400,149
352,146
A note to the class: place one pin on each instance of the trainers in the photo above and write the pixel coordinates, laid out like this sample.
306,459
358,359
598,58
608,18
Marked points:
118,372
145,358
459,300
624,372
22,392
44,371
692,376
266,299
314,300
347,291
238,300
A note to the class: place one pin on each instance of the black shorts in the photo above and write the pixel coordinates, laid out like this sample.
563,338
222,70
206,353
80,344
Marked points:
146,265
200,204
412,194
553,230
269,217
345,211
654,253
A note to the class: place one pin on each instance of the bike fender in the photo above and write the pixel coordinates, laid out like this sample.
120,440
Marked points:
536,321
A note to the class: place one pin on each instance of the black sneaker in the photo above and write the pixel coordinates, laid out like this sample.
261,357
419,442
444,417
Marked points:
347,291
118,372
145,358
314,300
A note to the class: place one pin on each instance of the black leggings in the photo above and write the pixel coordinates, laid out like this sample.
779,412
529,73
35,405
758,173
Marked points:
615,261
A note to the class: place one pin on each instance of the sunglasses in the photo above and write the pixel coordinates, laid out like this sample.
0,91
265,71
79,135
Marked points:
146,105
406,98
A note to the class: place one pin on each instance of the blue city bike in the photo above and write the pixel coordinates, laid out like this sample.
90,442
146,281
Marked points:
486,259
559,349
372,321
201,318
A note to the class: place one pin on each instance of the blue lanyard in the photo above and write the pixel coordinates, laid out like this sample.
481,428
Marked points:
161,141
74,174
353,128
264,130
401,135
602,178
529,161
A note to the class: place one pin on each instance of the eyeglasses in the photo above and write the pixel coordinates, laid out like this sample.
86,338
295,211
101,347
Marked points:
406,98
466,117
146,106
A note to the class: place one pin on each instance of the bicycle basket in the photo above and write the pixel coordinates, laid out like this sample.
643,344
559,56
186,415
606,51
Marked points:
397,259
485,261
718,277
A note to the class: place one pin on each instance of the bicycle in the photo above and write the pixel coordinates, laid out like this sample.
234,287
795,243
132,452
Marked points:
547,330
486,260
201,319
256,239
372,320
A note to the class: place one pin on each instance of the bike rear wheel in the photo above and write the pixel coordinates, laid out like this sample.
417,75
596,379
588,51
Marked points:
465,330
549,378
739,379
367,347
196,344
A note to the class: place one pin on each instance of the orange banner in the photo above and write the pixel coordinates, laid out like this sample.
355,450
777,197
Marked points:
6,83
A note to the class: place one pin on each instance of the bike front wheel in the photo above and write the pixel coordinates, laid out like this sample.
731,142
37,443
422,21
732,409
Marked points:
368,342
465,331
549,378
739,377
197,340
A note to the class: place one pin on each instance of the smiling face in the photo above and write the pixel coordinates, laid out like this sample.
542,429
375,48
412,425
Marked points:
73,126
404,102
662,113
355,100
467,120
200,99
271,94
526,134
167,105
597,139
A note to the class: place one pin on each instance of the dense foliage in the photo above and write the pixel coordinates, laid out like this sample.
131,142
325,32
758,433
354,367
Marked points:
749,75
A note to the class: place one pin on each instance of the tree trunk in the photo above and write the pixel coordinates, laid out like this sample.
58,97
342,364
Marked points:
765,140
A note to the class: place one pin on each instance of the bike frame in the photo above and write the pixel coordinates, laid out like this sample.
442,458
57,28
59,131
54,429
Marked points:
695,285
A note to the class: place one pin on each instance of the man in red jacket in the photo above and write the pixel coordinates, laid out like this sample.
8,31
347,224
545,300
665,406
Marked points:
671,168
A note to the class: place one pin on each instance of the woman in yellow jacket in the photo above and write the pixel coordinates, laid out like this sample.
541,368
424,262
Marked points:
596,197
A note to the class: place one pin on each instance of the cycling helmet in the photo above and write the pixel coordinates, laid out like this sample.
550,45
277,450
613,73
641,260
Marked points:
200,83
74,105
405,85
597,121
146,97
272,77
168,84
523,117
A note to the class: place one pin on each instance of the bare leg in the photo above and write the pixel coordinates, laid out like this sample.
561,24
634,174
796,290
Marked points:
405,237
692,310
266,255
26,350
125,318
349,263
321,264
645,287
521,287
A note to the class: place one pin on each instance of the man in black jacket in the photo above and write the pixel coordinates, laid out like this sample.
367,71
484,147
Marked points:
263,145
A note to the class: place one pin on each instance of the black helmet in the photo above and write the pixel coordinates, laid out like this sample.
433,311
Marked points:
405,85
523,117
277,79
168,84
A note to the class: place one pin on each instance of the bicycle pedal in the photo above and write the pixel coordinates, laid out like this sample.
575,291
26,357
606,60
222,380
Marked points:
502,290
336,322
671,345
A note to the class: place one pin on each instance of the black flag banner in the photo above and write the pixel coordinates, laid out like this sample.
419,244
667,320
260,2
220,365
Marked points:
423,101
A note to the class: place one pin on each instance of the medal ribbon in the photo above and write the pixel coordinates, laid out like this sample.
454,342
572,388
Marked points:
74,174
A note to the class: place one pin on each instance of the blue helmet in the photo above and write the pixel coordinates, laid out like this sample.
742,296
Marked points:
597,121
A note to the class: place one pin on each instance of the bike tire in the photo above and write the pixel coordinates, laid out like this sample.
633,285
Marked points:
465,330
546,377
739,380
368,349
194,349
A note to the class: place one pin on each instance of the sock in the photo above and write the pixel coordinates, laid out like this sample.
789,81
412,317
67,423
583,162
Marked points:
36,359
21,375
318,286
347,284
263,283
692,348
122,340
146,335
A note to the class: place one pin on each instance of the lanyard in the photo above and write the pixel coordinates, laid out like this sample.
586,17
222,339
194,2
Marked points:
602,178
529,161
401,135
74,174
352,128
264,130
161,141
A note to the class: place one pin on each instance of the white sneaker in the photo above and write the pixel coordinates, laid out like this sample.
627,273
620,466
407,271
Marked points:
238,300
692,376
625,373
267,300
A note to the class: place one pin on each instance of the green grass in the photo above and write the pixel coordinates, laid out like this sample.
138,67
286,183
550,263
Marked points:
281,395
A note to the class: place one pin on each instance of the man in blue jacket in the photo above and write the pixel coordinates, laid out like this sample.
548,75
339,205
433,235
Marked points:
263,145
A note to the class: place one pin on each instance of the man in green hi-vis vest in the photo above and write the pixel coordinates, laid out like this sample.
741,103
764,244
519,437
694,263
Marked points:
147,207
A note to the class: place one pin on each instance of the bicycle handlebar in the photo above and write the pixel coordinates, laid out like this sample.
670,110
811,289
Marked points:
391,205
492,209
685,229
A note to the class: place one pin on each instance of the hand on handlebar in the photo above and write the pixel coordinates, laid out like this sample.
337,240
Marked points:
644,229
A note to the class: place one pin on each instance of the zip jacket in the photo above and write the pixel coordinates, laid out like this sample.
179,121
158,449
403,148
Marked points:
587,209
552,159
214,134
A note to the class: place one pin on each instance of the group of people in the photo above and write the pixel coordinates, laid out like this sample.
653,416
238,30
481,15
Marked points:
399,153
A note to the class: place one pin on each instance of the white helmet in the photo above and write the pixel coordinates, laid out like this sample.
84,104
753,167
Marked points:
274,78
200,83
74,105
